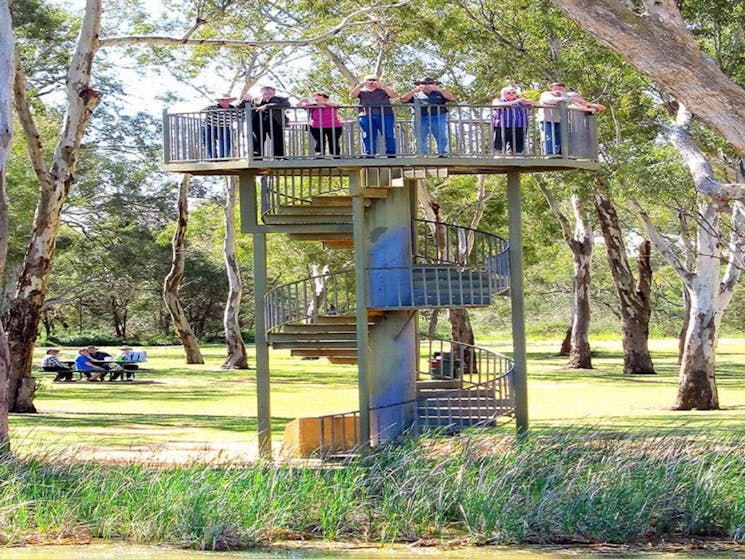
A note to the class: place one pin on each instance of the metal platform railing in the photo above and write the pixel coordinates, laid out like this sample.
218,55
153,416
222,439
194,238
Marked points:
238,135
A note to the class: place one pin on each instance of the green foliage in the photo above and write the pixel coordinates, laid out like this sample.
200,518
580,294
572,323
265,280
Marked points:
85,338
561,486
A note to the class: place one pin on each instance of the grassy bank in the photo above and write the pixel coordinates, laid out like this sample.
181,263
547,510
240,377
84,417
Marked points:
577,486
606,460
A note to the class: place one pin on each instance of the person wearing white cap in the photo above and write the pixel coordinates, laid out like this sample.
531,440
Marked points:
268,120
510,121
123,362
51,362
217,133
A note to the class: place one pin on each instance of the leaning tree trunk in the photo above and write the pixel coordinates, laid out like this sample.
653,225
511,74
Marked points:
6,140
237,358
633,297
54,185
172,282
652,36
635,316
462,332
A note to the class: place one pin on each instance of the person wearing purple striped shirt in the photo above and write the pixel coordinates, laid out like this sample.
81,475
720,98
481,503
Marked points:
510,121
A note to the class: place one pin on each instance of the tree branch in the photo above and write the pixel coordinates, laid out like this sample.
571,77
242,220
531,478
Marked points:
662,244
346,22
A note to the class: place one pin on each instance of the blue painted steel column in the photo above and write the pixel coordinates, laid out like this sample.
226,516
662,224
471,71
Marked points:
517,299
356,186
392,340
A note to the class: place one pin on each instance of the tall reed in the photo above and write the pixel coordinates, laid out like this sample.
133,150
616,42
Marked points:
576,486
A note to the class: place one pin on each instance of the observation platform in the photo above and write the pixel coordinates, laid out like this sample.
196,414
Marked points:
221,142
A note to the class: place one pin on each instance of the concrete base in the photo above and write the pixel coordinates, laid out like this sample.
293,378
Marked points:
310,436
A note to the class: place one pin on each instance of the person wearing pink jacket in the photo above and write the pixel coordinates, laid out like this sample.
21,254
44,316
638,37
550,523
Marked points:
325,126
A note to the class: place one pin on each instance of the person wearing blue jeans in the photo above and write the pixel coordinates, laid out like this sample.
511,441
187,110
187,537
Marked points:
430,114
549,115
217,134
375,114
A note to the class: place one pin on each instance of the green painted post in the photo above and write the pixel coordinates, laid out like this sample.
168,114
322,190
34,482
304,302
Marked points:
247,198
517,299
360,264
263,412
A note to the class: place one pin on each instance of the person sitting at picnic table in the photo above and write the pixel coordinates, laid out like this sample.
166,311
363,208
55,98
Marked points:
124,363
84,364
50,362
106,361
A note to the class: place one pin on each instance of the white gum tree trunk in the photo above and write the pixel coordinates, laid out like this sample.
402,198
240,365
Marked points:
7,71
172,283
652,36
54,185
237,358
717,268
580,243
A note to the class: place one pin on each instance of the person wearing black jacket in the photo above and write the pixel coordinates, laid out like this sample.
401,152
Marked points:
268,120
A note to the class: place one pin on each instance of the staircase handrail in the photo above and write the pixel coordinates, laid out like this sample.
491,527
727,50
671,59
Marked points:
292,188
464,246
481,270
299,301
501,385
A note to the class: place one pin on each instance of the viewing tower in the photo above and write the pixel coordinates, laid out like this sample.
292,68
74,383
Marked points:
367,315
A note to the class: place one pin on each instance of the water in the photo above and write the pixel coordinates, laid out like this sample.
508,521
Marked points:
124,551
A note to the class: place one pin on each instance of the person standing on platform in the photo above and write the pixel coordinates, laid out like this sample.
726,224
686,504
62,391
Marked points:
510,121
549,115
430,114
268,120
325,126
217,133
375,114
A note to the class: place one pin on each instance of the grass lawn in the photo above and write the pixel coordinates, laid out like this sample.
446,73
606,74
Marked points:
194,409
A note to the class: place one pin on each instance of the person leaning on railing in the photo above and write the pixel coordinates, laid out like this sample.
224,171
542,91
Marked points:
375,114
510,121
549,115
325,126
217,135
430,114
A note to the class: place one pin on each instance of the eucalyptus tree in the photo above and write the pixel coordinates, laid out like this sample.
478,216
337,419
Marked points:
6,138
655,37
55,171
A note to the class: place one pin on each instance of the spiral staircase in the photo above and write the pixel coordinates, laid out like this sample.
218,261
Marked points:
457,385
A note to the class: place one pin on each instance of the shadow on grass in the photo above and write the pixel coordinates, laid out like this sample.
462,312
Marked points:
133,422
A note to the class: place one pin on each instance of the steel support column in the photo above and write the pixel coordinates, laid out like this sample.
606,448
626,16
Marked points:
518,304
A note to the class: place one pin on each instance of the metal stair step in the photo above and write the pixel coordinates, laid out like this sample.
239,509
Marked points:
290,219
325,237
310,344
310,209
343,360
341,353
312,336
329,328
